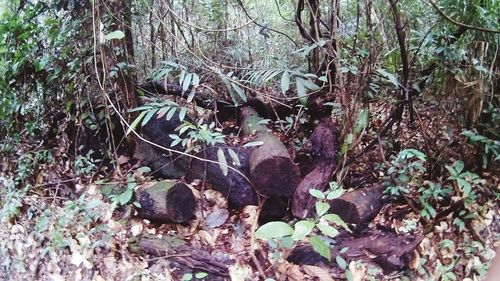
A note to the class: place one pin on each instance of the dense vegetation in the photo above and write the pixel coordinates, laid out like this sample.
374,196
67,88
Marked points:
412,88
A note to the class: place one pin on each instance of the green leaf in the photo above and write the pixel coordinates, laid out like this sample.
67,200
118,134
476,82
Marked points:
195,81
285,82
333,218
186,82
311,85
334,194
321,247
274,229
187,277
239,91
118,34
221,158
322,208
201,275
328,230
361,121
317,193
389,76
301,91
459,166
302,229
170,113
182,113
341,262
234,157
148,117
126,196
253,143
136,121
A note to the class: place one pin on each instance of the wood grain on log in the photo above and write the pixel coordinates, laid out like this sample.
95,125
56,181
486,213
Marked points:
359,207
166,201
272,171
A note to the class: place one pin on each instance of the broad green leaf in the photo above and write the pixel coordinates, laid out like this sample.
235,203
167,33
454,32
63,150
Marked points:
136,121
239,91
126,196
187,277
322,208
148,117
234,157
186,82
334,194
321,247
221,158
118,34
285,82
191,96
311,85
451,170
201,275
389,76
301,91
182,113
328,230
333,218
361,121
316,193
459,166
170,113
181,77
195,81
341,262
302,229
274,229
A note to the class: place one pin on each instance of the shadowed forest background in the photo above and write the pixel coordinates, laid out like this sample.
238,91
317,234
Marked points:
249,140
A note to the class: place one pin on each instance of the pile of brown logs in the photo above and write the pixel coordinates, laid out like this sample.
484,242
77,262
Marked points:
266,171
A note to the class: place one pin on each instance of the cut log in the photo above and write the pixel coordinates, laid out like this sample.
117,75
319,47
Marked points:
234,186
272,171
190,257
360,206
166,201
163,163
323,147
389,250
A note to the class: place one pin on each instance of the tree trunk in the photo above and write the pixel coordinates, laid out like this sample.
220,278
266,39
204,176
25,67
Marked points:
272,171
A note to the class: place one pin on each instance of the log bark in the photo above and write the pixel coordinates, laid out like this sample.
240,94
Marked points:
389,250
190,257
323,148
272,171
237,189
166,201
360,206
235,186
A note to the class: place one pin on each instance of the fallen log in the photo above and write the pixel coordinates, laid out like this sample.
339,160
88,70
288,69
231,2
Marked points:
234,186
391,251
323,147
190,257
359,207
166,201
272,171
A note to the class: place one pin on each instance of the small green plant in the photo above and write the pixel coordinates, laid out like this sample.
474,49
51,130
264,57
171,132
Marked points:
490,148
86,164
405,171
303,229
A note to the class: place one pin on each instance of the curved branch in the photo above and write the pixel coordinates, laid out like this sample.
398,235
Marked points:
448,18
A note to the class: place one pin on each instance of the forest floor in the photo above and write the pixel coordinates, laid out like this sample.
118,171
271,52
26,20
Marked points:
62,227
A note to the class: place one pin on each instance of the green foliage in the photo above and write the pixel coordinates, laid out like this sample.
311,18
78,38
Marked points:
405,171
490,148
303,229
